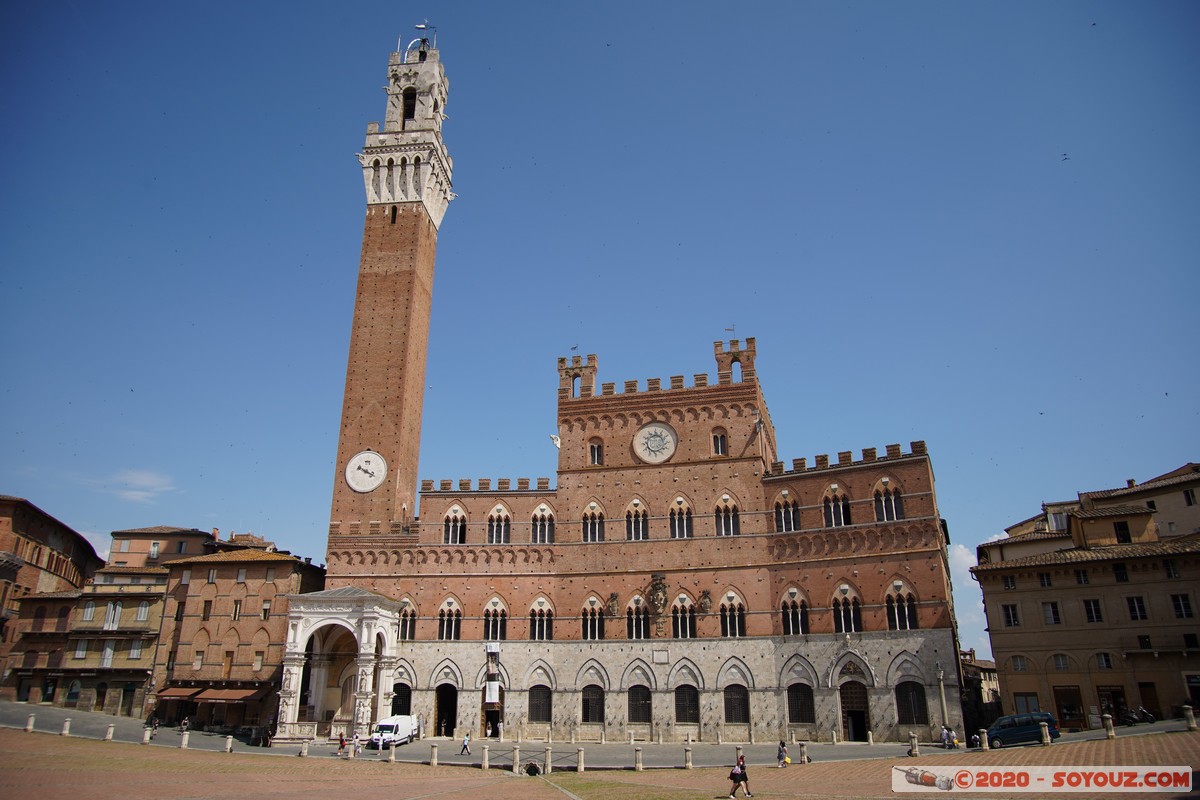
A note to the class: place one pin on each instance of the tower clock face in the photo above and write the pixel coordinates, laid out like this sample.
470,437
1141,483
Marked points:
365,471
655,443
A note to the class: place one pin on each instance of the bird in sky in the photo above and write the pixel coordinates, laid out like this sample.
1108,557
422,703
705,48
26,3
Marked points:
1065,157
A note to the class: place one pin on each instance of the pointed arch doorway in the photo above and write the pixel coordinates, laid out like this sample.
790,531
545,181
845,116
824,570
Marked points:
856,718
491,710
445,712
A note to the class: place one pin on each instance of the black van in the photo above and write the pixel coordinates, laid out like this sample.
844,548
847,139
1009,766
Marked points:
1019,728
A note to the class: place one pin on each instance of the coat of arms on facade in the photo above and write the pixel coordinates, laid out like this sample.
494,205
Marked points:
658,592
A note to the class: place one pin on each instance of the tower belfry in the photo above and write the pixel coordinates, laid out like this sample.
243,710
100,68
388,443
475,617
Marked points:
406,174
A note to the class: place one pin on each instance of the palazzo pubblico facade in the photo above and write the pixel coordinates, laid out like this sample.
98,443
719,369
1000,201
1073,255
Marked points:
679,580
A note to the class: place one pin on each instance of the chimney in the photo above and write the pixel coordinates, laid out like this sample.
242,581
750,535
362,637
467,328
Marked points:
216,533
1130,483
308,560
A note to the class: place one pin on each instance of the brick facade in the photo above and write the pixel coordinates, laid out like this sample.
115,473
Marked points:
678,580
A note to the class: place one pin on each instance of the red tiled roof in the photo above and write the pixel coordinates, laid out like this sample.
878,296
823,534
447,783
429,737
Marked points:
1183,545
232,556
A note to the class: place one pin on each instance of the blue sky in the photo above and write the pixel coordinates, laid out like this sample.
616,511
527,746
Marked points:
876,191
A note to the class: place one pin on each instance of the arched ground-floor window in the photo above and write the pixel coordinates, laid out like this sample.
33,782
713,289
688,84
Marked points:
639,704
737,704
687,704
911,708
401,699
593,703
801,708
539,703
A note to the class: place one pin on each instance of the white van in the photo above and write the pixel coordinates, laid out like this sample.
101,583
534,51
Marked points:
398,730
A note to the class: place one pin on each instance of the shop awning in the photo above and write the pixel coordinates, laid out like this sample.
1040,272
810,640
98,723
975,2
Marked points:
230,695
177,692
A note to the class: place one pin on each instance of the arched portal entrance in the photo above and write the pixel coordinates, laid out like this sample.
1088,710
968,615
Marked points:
856,719
446,712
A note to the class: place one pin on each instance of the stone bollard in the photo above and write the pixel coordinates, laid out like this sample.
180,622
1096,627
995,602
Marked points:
183,740
392,752
737,753
549,761
1045,733
1109,733
660,736
66,729
579,760
687,758
484,765
603,735
834,738
720,734
870,737
228,744
637,759
983,740
1189,717
350,749
433,755
516,759
108,732
914,749
146,734
304,749
803,752
32,717
689,734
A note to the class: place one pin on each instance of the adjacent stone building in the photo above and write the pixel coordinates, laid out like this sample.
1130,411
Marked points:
220,659
38,554
1091,604
680,580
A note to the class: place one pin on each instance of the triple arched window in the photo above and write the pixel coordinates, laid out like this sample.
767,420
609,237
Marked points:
541,625
889,505
636,526
681,521
449,624
837,510
847,616
728,523
733,620
901,612
592,623
593,526
637,622
787,516
795,617
543,528
683,621
454,527
495,624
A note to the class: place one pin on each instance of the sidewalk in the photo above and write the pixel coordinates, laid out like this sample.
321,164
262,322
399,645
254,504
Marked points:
51,767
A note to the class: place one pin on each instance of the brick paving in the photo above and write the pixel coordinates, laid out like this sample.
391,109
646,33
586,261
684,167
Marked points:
47,767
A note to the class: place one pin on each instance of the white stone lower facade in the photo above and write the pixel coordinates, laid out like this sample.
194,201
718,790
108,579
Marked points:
344,647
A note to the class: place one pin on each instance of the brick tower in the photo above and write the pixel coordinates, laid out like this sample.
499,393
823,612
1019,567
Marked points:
406,172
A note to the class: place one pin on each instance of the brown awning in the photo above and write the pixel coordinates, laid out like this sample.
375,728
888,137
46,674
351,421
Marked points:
230,695
177,692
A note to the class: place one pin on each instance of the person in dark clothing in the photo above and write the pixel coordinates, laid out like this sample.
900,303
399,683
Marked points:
739,776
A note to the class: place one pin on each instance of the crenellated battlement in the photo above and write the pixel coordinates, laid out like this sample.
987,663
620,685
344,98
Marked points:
449,486
845,458
727,354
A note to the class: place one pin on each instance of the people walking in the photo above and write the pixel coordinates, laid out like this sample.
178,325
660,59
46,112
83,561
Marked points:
739,777
782,754
342,744
357,745
466,748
